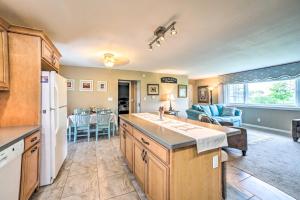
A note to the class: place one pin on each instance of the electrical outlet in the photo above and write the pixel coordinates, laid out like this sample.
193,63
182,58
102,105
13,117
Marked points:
258,120
215,162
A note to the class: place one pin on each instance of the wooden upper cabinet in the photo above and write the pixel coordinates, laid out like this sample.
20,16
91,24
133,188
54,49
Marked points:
4,67
50,57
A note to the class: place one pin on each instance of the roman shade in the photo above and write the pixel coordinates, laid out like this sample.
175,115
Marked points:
279,72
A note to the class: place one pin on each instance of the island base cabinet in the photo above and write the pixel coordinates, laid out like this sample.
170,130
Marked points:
156,179
30,168
129,150
139,167
122,141
151,173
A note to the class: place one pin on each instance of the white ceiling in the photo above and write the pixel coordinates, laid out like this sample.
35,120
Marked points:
214,36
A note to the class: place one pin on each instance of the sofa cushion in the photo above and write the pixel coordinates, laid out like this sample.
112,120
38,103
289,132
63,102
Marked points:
220,108
227,118
214,110
228,111
206,109
197,107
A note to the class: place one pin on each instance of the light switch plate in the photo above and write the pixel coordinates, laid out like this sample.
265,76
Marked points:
215,162
109,98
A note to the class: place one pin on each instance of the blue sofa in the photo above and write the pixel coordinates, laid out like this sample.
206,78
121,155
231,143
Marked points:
218,112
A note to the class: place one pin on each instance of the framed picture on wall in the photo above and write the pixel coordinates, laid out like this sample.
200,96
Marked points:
182,91
203,94
70,84
102,86
152,89
86,85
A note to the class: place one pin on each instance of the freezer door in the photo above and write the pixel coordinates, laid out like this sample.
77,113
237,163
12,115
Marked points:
58,91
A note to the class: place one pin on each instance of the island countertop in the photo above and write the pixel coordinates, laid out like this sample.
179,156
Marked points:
11,135
168,138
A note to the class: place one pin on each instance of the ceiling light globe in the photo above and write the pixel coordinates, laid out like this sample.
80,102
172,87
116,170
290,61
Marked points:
173,31
162,38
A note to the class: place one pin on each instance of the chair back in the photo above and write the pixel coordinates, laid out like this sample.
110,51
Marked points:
78,111
103,118
82,119
103,110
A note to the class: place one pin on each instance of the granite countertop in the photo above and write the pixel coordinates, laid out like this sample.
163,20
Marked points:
168,138
11,135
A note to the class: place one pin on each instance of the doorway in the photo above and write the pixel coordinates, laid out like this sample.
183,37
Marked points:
129,96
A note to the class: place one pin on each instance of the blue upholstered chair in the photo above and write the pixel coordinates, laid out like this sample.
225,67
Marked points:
103,123
82,124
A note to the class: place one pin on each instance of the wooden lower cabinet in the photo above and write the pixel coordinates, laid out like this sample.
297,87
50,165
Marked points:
122,141
30,171
129,150
156,178
139,168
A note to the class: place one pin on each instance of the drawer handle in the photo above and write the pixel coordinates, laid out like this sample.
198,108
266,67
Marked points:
33,139
124,125
4,158
34,149
145,142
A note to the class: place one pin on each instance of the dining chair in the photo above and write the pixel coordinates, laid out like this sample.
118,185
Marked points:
103,123
82,123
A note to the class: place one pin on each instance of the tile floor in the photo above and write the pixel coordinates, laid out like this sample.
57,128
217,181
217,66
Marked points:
97,171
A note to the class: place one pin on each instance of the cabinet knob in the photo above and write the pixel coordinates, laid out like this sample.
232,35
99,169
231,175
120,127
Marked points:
34,149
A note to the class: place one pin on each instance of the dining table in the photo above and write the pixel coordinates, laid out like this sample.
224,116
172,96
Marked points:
93,120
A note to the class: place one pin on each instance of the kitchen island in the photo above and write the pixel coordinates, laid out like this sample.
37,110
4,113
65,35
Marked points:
167,164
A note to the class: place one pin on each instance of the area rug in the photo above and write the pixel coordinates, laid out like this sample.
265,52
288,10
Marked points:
274,159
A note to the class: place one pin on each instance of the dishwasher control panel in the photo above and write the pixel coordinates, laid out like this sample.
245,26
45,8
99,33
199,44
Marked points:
11,152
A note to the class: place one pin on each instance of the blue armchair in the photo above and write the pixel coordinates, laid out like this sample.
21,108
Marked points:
224,115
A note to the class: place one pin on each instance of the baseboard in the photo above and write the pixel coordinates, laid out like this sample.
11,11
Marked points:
268,128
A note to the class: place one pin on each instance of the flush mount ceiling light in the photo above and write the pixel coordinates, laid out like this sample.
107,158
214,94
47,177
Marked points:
159,34
109,60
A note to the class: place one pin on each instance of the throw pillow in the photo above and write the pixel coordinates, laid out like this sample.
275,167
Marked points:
214,110
220,109
228,111
196,107
206,109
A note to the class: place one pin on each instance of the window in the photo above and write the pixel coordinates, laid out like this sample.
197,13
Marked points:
272,93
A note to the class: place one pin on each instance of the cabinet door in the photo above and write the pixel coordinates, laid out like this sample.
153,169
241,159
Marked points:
4,79
139,167
56,62
30,171
157,178
129,150
122,141
47,53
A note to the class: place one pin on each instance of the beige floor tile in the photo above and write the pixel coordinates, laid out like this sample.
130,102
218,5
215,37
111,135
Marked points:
129,196
111,168
80,184
82,168
113,186
91,195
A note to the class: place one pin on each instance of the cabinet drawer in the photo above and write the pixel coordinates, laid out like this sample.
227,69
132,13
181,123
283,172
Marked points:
126,126
47,53
31,140
153,146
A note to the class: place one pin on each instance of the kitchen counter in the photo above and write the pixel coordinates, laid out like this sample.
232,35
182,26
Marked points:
11,135
168,138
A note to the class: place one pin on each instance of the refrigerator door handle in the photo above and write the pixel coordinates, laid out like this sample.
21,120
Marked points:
56,110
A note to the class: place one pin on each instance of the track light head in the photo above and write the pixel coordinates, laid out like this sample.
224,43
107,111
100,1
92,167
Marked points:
150,47
173,31
158,43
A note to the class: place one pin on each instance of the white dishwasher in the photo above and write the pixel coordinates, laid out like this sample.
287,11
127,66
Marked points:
10,171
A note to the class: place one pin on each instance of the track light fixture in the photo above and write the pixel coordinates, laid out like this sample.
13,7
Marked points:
159,34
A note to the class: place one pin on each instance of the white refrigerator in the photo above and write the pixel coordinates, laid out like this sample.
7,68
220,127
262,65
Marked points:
54,126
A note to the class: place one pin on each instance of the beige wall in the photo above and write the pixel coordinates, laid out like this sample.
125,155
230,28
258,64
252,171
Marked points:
214,81
100,99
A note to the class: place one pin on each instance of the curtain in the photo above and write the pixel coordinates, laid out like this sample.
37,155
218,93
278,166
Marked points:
279,72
